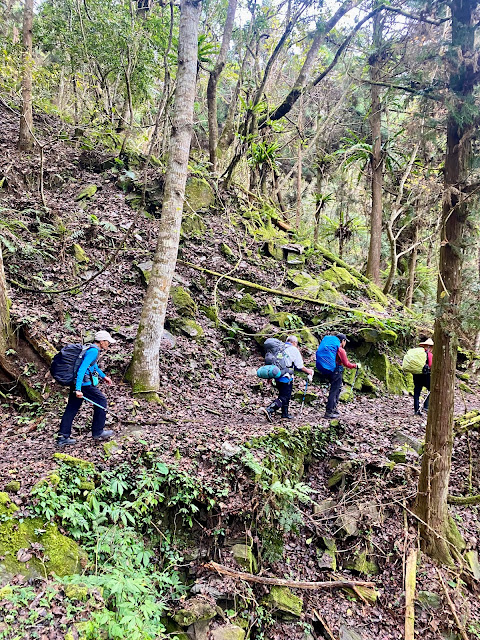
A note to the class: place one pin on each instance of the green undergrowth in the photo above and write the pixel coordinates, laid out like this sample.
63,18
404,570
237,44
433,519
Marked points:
136,523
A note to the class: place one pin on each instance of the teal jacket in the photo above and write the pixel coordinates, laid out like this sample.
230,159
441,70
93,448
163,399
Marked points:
88,371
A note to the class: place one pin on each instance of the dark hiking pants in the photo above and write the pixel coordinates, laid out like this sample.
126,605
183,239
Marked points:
74,404
284,395
420,380
336,380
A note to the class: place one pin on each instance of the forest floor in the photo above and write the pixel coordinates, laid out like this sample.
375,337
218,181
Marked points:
210,393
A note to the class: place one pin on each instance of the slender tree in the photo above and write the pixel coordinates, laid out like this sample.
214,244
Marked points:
25,139
5,328
440,536
213,82
144,370
376,158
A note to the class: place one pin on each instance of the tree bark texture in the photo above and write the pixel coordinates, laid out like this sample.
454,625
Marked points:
5,328
144,370
376,160
439,535
412,269
25,138
213,82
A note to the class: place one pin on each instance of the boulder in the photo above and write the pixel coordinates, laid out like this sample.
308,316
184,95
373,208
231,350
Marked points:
145,269
349,633
283,600
13,486
429,599
246,303
361,564
193,226
307,338
310,397
305,285
243,554
87,192
59,554
398,456
198,194
187,326
195,610
375,293
401,438
341,279
388,372
227,252
80,255
183,302
228,632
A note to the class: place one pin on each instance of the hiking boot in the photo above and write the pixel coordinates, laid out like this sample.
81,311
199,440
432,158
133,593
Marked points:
105,435
418,413
287,416
270,411
330,415
64,440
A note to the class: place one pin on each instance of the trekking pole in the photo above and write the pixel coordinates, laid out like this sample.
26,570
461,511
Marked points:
353,383
304,394
114,415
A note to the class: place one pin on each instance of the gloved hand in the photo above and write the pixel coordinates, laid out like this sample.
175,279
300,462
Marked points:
310,377
359,366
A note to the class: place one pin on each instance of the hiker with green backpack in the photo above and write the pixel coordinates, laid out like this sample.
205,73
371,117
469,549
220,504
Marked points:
418,362
282,359
76,366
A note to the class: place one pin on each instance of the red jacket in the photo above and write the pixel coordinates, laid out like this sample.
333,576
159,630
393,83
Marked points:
342,359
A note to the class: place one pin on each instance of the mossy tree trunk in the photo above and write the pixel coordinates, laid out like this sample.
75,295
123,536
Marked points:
5,327
25,138
439,535
144,369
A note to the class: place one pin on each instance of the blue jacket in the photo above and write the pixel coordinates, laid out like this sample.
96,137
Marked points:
326,354
88,371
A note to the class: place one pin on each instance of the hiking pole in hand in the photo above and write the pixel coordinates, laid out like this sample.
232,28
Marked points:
114,415
304,394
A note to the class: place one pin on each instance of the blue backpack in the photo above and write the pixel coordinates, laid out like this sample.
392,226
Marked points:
325,358
65,363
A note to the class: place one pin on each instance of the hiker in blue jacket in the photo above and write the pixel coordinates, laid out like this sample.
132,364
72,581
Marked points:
85,386
285,383
330,360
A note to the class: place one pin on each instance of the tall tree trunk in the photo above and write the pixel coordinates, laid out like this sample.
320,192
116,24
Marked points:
440,537
144,370
5,328
412,270
25,138
376,160
298,216
213,82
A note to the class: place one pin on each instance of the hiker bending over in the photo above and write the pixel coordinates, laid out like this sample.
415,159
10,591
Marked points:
421,380
293,361
85,386
330,359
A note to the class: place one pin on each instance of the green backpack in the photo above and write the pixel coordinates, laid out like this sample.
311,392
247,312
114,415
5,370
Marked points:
414,360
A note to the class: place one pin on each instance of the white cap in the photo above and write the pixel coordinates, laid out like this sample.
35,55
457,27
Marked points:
104,335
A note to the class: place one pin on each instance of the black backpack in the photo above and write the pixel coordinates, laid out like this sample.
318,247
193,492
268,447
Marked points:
276,354
65,363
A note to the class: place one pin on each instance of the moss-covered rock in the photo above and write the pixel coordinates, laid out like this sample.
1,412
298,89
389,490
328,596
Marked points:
188,327
341,279
87,192
227,252
183,301
305,284
13,486
388,372
61,555
228,632
76,592
267,310
399,456
77,463
111,447
195,610
274,248
373,335
310,397
363,565
145,269
193,226
246,303
198,194
375,293
464,387
243,554
307,338
328,293
283,600
80,255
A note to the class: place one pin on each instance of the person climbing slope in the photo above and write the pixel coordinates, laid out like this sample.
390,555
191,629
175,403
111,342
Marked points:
330,360
418,362
294,362
85,385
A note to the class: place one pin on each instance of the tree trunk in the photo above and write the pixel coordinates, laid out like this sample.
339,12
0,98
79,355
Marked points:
5,328
25,138
440,537
413,268
376,160
213,82
298,216
144,370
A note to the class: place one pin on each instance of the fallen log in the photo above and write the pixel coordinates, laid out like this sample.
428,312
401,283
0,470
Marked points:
410,583
463,500
16,377
39,344
470,420
281,582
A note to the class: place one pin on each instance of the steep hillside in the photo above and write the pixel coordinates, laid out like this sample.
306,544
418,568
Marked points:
307,501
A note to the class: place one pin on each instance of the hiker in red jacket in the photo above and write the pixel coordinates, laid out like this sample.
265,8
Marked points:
421,380
331,358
